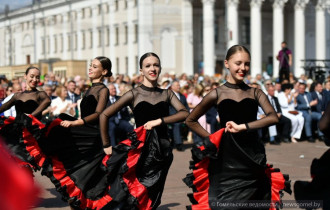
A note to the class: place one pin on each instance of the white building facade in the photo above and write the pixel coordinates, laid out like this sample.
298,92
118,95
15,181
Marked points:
188,35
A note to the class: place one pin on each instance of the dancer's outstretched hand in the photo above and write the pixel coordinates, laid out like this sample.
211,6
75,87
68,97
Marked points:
108,150
153,123
67,123
232,127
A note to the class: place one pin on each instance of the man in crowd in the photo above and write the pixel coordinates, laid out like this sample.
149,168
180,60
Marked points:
12,111
119,124
304,104
285,58
175,87
283,127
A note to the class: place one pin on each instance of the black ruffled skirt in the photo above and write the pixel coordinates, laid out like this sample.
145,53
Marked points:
319,188
133,177
225,177
20,134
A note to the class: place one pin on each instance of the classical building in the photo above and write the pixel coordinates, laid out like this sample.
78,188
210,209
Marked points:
188,35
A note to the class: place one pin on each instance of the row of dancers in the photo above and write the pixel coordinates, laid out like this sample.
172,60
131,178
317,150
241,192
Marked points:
76,154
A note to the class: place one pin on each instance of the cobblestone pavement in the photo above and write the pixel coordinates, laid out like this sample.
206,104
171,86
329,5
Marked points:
292,159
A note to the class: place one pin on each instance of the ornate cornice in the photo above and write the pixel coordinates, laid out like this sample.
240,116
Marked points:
232,3
256,3
321,5
279,3
208,1
300,4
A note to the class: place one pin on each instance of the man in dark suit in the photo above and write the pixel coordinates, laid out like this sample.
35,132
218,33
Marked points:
175,87
71,87
283,127
119,124
304,104
318,94
326,93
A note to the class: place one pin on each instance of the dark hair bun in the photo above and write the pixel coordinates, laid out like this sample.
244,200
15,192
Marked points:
106,64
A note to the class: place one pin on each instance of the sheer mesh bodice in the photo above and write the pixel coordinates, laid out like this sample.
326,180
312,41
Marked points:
29,102
93,103
238,103
147,104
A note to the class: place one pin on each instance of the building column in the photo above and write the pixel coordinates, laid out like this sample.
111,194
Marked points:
208,37
232,22
132,69
299,36
145,24
112,36
320,30
187,37
256,40
278,32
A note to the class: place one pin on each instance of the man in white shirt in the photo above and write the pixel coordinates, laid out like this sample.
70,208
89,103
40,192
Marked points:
12,111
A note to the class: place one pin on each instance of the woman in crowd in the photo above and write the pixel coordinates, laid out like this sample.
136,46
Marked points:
233,167
29,105
287,100
60,104
193,100
142,176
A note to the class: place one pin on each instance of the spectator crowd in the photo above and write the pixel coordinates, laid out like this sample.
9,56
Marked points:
299,103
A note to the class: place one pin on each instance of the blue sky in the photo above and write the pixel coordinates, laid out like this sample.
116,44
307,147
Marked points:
13,4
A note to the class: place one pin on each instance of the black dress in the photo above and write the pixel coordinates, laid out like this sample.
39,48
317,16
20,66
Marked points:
74,155
231,167
319,188
20,133
138,166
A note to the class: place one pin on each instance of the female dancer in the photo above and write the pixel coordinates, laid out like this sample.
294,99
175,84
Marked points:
235,170
73,147
143,174
30,102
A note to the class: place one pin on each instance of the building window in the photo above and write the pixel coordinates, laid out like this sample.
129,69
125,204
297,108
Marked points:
137,62
117,35
216,29
69,42
116,5
126,64
83,41
107,38
43,45
61,43
106,8
136,32
125,4
246,31
99,9
117,62
75,41
100,36
55,44
126,34
83,13
69,16
91,38
48,44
